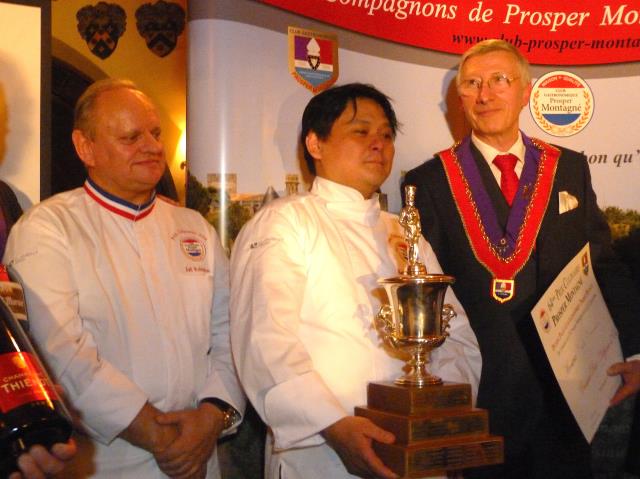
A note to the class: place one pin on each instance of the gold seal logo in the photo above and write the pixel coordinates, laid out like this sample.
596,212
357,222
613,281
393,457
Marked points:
561,103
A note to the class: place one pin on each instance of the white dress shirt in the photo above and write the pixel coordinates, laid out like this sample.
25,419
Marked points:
489,153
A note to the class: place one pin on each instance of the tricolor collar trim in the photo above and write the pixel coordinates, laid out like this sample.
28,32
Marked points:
117,205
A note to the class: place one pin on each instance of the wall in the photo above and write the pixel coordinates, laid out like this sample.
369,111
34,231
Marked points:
20,100
163,79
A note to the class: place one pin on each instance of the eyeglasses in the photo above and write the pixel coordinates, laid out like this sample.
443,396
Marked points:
497,83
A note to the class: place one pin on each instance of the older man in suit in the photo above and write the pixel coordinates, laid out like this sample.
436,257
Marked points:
505,213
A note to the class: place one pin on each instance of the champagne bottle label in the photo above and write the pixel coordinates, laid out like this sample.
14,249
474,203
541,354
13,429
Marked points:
13,296
22,381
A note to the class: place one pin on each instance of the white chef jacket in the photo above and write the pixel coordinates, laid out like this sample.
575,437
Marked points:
127,305
303,299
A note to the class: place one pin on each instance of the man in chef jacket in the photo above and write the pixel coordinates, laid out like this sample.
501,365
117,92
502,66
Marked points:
127,296
304,295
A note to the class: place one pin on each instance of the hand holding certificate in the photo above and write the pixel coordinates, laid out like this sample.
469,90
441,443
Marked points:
630,372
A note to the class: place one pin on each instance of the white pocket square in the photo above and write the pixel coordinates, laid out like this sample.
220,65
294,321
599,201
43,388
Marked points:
566,202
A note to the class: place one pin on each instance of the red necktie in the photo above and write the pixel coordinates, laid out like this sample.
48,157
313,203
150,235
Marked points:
508,178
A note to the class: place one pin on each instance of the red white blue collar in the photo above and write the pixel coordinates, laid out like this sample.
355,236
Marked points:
117,205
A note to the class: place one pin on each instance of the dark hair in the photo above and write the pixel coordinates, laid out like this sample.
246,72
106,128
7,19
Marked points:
325,108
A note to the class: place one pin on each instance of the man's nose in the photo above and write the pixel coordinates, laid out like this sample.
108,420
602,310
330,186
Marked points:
484,92
377,142
152,143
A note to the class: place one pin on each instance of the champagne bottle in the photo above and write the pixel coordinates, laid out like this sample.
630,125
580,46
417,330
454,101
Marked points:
31,411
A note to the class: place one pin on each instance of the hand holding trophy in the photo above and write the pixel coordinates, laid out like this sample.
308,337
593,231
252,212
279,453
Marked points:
435,425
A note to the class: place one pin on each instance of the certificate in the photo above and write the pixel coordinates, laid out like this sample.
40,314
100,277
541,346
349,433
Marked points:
580,340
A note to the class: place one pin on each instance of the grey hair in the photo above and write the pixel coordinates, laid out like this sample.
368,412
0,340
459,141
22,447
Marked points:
83,114
495,45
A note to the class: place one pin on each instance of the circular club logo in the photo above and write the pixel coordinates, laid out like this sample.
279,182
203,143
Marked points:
193,248
561,103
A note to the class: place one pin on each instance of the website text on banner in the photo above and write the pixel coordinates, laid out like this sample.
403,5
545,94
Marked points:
549,32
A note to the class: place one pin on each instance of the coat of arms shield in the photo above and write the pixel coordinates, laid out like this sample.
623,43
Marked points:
313,58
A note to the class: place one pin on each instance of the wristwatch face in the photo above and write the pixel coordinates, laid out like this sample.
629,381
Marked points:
231,417
229,414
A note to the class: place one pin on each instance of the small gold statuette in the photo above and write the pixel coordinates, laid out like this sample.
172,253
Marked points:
410,222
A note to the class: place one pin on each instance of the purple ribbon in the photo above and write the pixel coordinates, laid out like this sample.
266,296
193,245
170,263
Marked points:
503,241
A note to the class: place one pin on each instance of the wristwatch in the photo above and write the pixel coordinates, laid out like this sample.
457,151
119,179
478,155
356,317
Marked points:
230,417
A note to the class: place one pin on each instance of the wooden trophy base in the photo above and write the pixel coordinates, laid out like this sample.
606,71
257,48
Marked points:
436,428
438,457
408,400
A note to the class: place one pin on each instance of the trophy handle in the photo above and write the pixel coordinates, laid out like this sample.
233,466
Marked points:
384,324
448,313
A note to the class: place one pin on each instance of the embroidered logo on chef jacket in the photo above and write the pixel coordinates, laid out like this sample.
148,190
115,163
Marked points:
399,249
193,248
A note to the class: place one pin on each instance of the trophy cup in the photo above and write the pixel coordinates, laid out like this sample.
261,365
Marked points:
435,425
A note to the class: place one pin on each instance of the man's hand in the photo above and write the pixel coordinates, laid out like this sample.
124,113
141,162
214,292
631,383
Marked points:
352,438
38,463
630,372
198,431
147,434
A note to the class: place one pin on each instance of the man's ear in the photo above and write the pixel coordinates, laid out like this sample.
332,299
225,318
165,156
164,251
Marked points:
526,94
84,147
313,144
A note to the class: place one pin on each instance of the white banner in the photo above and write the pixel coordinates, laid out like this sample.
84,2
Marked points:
244,106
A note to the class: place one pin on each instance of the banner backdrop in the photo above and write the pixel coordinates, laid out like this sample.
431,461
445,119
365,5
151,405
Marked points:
550,32
244,104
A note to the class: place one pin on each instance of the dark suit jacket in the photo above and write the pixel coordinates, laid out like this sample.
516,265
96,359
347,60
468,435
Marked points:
9,204
628,248
517,385
11,210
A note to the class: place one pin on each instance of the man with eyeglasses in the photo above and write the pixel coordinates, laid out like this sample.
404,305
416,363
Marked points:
505,213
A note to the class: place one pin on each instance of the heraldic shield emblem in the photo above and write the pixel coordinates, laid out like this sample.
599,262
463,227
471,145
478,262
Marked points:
101,26
160,25
313,58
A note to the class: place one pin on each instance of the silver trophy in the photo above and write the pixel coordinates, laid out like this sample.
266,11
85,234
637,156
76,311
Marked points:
415,320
